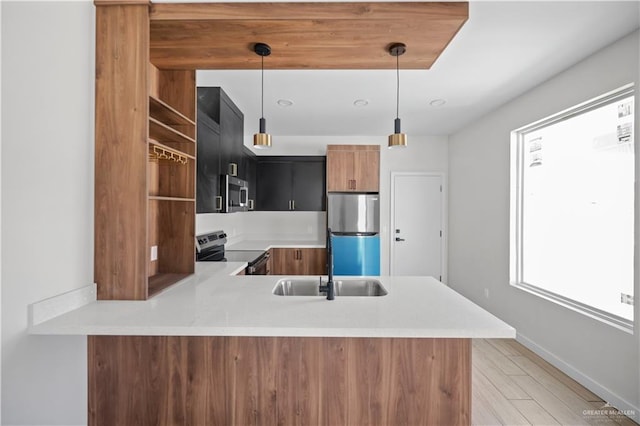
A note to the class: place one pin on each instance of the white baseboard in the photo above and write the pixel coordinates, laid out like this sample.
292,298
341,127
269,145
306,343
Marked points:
54,306
606,394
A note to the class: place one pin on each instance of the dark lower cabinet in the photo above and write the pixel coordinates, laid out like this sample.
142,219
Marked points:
291,183
208,161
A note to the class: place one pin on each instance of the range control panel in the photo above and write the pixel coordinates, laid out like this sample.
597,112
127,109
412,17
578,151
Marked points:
210,240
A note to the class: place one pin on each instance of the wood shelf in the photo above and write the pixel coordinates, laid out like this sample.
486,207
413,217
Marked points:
159,282
165,134
161,198
165,113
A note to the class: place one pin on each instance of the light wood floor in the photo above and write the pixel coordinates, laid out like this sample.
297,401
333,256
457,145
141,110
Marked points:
513,386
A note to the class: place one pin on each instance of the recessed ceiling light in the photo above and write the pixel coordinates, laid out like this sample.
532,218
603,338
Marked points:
437,102
285,102
360,103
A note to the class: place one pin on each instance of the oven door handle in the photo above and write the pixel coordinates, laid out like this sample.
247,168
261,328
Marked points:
252,269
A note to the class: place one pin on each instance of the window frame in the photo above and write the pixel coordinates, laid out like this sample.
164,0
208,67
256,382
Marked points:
516,208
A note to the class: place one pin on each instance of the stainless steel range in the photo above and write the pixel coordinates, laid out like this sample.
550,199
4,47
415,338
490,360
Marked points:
210,247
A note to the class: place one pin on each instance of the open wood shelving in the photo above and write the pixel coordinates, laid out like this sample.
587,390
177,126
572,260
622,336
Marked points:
171,184
145,161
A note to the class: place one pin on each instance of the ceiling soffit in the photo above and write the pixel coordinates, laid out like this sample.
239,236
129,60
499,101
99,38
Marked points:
302,35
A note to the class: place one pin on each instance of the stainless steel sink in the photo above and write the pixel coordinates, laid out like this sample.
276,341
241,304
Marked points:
310,287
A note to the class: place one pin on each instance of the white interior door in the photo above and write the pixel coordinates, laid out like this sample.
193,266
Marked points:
417,225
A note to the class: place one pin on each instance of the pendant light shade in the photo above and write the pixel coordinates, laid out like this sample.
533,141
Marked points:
397,139
262,139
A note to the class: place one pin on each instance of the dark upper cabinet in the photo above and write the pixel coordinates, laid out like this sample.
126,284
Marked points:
250,174
274,185
208,164
308,189
291,183
215,103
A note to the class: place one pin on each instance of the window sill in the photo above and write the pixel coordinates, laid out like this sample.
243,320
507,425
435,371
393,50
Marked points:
589,311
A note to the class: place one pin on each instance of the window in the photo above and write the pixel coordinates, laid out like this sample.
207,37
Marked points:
572,208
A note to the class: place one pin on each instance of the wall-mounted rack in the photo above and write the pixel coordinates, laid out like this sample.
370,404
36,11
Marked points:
159,152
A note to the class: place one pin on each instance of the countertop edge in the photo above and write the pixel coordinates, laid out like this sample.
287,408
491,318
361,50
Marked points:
275,332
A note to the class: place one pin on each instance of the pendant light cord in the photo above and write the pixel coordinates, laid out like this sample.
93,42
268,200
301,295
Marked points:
398,86
262,94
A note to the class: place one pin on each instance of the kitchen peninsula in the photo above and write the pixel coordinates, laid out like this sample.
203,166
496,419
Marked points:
172,344
222,349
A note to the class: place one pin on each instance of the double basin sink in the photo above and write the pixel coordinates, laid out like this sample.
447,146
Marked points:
342,287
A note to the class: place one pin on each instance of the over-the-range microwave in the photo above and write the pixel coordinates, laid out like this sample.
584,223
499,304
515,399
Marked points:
235,194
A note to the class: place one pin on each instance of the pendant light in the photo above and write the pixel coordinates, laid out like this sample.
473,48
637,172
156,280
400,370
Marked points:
262,140
397,139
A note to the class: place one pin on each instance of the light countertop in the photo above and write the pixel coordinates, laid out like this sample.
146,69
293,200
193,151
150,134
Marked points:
214,303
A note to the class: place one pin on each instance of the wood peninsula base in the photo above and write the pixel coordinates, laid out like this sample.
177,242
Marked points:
174,380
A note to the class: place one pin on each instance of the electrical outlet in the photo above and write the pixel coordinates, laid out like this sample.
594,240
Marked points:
486,293
626,299
154,253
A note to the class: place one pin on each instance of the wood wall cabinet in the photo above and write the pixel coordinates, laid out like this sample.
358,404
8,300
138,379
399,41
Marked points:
353,168
291,183
144,161
299,261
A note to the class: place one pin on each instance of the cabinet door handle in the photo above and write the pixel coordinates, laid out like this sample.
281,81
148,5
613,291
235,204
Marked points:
355,184
219,202
293,204
289,204
233,169
250,204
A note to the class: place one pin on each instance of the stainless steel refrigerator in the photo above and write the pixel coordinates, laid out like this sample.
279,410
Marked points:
354,220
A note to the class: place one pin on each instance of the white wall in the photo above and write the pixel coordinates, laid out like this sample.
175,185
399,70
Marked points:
47,198
424,153
602,357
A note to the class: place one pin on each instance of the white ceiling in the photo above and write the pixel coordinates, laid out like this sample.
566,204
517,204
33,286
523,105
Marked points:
504,49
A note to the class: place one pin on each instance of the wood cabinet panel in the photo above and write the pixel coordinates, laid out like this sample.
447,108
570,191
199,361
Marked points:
340,166
367,171
299,261
353,168
121,117
144,163
163,380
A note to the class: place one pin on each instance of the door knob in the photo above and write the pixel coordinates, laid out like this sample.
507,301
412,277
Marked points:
399,239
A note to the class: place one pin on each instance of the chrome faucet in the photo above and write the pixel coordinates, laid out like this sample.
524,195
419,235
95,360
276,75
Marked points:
329,287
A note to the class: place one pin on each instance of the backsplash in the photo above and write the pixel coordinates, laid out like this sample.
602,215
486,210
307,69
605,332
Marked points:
265,225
